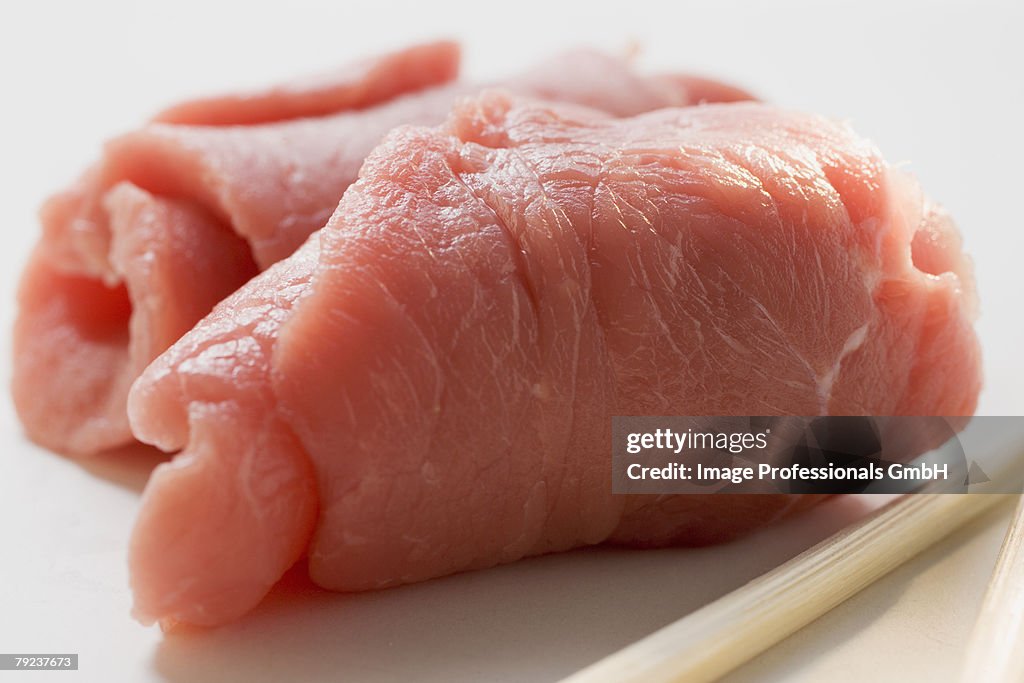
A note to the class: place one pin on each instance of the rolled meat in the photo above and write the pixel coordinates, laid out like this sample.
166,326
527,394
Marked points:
181,212
427,385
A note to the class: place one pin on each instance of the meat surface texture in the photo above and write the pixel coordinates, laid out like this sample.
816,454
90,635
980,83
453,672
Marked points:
180,213
426,386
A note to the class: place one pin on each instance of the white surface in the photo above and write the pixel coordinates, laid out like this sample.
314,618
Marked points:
937,85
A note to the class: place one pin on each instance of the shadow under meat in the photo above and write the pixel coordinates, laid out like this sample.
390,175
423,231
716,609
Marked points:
128,467
542,618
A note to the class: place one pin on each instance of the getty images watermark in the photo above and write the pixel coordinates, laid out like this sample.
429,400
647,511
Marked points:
827,455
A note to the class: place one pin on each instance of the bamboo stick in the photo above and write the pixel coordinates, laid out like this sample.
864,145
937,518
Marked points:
735,628
995,653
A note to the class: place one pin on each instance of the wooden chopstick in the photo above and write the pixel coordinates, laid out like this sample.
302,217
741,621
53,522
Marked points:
995,652
735,628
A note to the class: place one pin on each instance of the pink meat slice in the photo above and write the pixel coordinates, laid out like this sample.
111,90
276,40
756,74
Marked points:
356,86
426,386
261,189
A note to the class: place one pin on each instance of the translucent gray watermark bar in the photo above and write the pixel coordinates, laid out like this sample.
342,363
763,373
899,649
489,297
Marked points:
38,662
823,455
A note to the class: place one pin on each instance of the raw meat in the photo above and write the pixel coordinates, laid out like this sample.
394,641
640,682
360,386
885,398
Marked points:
426,386
175,217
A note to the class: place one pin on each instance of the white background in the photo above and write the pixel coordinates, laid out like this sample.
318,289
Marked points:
937,85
